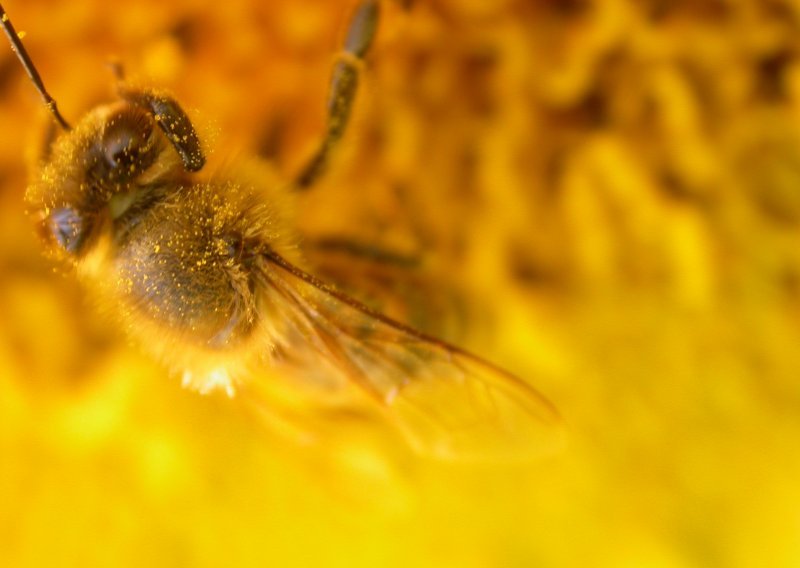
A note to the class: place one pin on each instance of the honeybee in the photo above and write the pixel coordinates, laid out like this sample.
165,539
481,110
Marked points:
209,266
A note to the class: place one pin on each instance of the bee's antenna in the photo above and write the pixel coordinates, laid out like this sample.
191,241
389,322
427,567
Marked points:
30,68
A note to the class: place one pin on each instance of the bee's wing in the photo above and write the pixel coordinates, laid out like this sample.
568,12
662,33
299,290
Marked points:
448,402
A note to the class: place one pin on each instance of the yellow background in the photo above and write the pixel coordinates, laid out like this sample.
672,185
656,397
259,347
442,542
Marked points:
613,186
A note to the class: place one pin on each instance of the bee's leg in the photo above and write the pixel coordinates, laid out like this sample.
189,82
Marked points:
343,86
169,115
173,121
360,250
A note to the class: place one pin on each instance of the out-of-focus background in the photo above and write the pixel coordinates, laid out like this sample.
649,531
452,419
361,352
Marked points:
609,193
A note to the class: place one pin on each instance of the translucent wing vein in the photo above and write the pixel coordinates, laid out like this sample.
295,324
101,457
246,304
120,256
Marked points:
448,402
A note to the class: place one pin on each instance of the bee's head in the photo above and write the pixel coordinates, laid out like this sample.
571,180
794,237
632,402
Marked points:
113,156
115,149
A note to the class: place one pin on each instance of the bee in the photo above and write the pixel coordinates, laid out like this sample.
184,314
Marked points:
209,266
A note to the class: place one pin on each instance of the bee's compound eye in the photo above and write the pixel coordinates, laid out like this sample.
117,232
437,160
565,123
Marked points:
118,151
68,228
126,138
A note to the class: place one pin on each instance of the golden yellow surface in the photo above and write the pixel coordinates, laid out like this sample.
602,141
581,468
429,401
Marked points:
613,186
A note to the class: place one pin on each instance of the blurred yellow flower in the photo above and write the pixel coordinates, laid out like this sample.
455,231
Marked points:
607,197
